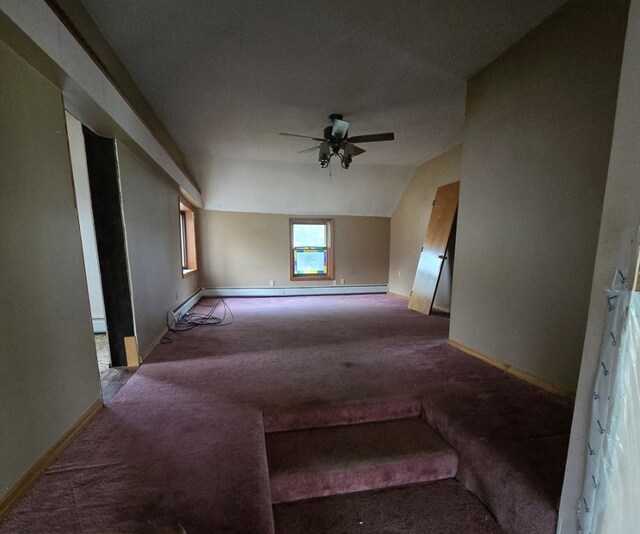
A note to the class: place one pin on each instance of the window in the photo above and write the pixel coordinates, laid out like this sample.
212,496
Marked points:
187,240
311,245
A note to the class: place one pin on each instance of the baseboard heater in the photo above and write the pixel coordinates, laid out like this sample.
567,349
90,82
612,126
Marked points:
293,291
174,315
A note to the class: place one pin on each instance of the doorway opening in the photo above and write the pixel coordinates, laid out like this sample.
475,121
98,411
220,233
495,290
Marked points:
110,359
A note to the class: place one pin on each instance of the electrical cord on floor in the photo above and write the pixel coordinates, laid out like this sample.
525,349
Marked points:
191,320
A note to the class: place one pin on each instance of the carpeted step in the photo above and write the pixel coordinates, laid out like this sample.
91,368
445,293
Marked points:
512,454
281,418
327,461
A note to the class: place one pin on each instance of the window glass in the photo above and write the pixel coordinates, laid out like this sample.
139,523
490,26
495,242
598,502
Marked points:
309,235
310,261
187,240
183,240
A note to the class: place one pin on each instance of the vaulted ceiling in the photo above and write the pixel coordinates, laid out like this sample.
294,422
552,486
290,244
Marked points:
225,77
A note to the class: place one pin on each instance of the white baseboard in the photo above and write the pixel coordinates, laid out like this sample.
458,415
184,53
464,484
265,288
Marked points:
99,326
292,291
174,315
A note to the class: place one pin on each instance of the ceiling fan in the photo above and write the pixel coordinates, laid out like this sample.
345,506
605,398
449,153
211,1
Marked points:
336,142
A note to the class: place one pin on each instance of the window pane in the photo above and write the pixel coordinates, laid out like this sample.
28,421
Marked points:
309,235
310,261
183,239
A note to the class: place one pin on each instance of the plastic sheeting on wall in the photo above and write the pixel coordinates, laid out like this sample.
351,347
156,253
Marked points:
610,500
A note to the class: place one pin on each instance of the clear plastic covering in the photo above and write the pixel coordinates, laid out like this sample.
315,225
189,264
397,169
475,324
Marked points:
618,512
610,500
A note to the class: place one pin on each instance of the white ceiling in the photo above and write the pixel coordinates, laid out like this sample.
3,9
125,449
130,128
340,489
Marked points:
226,77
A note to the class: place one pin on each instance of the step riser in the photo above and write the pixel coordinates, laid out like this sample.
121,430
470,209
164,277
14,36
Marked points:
319,462
328,415
307,485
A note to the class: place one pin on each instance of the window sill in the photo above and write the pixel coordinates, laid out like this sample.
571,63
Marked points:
186,273
307,277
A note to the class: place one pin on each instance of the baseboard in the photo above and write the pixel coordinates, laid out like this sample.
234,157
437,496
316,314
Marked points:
16,493
405,298
99,326
155,342
292,291
518,373
174,315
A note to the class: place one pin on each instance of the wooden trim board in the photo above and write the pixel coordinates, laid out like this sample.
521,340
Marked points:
154,343
16,493
514,371
131,350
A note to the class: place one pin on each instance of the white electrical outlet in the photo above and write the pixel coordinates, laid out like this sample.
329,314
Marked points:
335,282
341,281
271,283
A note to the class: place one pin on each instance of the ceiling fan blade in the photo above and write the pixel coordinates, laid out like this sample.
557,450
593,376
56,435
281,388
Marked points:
340,128
305,136
372,137
352,150
309,149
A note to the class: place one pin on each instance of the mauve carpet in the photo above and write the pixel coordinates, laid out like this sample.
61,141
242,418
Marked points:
343,459
182,446
443,507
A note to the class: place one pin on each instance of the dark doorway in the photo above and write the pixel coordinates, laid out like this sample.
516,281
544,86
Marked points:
102,166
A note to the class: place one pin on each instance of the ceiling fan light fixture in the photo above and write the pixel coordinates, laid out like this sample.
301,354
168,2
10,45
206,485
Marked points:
336,142
340,128
324,155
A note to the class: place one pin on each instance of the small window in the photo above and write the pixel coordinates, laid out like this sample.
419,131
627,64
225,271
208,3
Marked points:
311,247
187,240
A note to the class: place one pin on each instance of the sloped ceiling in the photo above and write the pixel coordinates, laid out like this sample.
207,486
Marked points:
225,77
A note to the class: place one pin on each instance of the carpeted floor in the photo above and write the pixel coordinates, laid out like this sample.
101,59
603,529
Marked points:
182,445
443,507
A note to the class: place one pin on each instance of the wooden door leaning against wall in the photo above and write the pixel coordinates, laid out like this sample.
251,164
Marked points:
434,248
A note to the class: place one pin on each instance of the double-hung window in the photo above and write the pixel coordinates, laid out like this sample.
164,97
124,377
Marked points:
311,247
187,240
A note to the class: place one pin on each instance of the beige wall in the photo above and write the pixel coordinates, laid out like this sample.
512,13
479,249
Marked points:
48,369
409,224
617,248
151,215
249,249
536,148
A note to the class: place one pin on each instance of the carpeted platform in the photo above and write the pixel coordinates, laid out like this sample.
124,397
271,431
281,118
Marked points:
512,448
183,444
443,507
